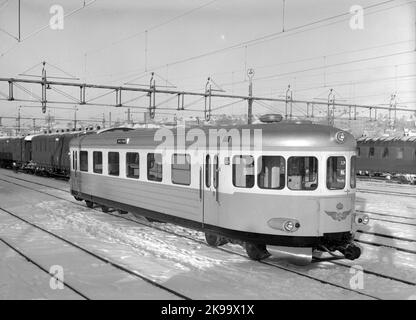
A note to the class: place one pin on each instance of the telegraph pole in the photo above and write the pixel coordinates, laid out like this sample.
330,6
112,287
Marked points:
18,120
18,19
75,117
250,74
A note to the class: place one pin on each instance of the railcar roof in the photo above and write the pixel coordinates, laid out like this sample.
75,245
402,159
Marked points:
277,135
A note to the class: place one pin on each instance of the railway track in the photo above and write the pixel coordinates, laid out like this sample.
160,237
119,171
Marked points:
394,193
37,265
87,251
292,270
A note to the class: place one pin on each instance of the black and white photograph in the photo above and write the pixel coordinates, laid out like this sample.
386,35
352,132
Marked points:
232,152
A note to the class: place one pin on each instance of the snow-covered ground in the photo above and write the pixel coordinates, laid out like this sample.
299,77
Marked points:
179,259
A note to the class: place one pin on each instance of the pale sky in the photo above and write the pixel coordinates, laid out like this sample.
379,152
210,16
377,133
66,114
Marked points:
104,43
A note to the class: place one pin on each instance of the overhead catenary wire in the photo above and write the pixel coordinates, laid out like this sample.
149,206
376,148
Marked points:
269,36
86,4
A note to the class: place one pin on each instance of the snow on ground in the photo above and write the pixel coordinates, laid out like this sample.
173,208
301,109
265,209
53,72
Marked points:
198,271
92,277
22,280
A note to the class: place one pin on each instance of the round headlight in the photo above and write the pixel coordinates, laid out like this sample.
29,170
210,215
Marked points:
340,136
289,226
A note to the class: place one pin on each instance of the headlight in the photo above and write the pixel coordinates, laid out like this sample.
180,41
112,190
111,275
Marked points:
284,224
361,218
340,136
289,225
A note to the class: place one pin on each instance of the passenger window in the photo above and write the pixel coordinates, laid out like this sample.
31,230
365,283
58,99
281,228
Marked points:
385,153
302,173
271,172
154,167
181,169
215,171
208,171
132,165
113,163
371,152
400,153
358,152
97,159
335,173
83,160
353,172
76,160
243,171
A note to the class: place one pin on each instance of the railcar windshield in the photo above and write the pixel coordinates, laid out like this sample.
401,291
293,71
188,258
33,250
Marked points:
271,172
302,173
243,171
335,173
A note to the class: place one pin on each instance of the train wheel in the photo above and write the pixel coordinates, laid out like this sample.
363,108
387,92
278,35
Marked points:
122,212
257,251
89,204
105,209
214,240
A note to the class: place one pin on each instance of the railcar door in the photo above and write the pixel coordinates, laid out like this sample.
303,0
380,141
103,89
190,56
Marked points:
211,189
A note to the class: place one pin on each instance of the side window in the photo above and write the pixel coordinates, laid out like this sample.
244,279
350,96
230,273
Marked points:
335,173
97,159
73,160
154,167
353,172
113,163
302,173
208,171
271,172
371,152
359,152
132,165
83,160
385,153
215,171
181,169
400,153
243,171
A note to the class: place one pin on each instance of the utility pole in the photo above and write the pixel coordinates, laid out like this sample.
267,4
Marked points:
109,119
34,125
18,18
18,120
75,117
331,102
289,99
103,121
250,74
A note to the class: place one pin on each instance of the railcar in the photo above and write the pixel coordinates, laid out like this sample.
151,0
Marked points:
295,187
11,151
387,156
50,153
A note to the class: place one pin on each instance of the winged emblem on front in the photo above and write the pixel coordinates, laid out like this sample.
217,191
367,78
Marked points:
338,216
